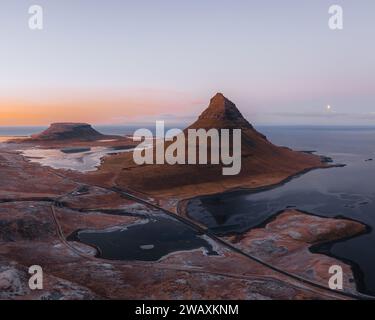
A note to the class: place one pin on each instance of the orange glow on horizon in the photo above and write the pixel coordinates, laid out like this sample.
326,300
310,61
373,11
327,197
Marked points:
99,109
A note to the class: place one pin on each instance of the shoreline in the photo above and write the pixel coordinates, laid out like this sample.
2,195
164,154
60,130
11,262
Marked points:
6,139
325,247
359,275
181,204
321,248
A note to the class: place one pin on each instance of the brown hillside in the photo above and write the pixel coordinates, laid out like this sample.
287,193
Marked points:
262,162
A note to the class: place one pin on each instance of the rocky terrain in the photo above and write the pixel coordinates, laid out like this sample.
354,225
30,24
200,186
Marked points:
42,208
289,237
34,232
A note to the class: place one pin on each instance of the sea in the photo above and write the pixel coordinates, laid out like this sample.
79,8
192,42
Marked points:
347,191
24,131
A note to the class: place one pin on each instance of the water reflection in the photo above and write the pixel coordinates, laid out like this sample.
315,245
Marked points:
348,191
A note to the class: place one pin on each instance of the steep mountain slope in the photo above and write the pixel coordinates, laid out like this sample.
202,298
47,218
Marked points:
262,162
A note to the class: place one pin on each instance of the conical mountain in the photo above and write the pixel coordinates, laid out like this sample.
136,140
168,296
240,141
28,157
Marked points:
263,163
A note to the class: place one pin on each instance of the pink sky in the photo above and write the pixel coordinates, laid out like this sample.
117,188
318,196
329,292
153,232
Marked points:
125,61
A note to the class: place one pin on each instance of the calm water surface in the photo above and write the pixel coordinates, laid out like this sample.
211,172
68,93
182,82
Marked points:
348,191
148,241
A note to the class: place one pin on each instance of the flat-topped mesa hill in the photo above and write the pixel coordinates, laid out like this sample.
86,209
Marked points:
68,132
263,163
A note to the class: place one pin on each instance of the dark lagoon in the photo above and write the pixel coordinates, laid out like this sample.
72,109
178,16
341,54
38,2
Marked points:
346,191
147,241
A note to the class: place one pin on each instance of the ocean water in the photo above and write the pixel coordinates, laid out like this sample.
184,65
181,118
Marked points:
346,191
22,131
19,131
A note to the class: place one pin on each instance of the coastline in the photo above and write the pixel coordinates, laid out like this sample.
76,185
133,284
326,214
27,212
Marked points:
320,248
325,248
181,204
6,139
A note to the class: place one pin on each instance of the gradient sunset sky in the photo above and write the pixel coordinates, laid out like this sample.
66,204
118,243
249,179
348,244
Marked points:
119,61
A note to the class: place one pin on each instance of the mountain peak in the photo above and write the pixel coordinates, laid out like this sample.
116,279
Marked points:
221,108
221,112
219,96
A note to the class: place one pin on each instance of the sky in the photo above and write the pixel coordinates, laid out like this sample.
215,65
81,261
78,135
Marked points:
120,61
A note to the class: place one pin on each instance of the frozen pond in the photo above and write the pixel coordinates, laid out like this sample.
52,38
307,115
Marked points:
79,159
147,241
